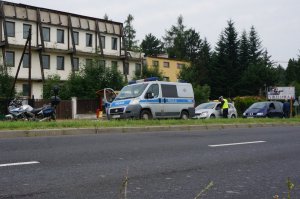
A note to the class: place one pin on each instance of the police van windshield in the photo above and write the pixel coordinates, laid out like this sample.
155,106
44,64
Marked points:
131,91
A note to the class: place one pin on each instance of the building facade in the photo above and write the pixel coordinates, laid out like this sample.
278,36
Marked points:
170,68
61,43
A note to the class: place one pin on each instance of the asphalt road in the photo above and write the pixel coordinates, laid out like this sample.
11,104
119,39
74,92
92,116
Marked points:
241,163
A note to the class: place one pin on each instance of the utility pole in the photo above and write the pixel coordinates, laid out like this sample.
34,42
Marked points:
28,41
29,65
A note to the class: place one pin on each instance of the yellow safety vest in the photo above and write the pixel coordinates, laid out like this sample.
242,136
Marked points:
225,105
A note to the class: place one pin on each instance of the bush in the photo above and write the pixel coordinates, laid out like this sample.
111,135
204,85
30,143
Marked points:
201,94
242,103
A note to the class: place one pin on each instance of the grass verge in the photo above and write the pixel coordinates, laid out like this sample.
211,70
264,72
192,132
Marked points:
26,125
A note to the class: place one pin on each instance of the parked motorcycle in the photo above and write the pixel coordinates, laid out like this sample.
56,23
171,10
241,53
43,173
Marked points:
18,111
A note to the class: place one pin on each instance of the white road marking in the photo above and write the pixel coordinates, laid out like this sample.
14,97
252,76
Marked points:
240,143
19,163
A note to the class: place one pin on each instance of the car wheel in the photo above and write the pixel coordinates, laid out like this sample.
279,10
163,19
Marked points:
212,116
233,116
145,115
184,115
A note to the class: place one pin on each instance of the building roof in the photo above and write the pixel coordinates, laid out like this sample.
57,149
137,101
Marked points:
57,12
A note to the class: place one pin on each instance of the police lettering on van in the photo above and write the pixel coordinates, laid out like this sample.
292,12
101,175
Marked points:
150,98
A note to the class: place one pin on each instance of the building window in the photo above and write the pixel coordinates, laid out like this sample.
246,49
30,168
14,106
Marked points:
114,43
166,64
76,38
26,28
10,28
89,62
60,63
26,60
89,40
180,66
46,61
60,36
46,33
76,64
138,68
101,63
25,90
10,59
155,63
103,41
114,65
126,69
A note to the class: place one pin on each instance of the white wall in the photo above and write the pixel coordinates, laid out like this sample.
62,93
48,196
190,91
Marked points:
53,48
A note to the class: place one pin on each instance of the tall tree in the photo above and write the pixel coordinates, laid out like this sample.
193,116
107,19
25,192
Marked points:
244,51
259,75
254,46
129,33
226,69
174,39
293,71
151,46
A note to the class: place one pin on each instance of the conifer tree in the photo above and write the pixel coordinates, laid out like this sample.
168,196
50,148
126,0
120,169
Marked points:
129,34
151,46
226,70
254,46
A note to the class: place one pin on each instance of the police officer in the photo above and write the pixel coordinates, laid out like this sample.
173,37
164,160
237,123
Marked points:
224,106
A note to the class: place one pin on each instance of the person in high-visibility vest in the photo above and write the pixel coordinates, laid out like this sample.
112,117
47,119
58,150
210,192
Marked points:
224,106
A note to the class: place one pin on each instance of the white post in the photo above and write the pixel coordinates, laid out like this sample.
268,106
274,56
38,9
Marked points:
74,107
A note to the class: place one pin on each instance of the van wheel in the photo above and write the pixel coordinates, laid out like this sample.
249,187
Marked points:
146,115
212,116
184,115
233,116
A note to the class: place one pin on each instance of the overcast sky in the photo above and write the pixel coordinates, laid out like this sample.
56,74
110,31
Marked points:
276,21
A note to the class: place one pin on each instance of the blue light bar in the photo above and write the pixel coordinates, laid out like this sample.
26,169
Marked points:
144,80
151,79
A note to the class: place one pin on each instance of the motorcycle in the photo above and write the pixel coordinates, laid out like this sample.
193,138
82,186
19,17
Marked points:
17,111
25,112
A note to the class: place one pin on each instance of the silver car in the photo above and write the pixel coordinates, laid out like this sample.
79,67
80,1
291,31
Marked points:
213,110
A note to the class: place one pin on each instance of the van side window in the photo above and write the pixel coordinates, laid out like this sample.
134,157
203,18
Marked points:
169,90
154,89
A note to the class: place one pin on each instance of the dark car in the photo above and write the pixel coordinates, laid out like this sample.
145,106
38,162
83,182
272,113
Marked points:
264,109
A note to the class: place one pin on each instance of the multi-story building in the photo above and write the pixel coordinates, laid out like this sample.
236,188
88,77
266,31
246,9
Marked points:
170,68
61,43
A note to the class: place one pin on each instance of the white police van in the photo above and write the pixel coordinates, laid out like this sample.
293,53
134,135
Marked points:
149,98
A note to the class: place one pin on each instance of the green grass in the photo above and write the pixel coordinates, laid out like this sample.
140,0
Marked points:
26,125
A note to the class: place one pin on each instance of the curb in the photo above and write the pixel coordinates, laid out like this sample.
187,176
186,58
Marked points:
90,131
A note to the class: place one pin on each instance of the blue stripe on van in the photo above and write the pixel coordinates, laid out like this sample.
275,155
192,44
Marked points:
168,101
120,103
154,101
